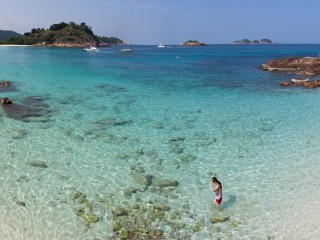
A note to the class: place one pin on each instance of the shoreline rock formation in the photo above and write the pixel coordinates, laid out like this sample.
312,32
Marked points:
302,83
297,65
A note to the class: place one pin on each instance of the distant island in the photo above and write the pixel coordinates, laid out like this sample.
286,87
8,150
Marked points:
247,41
62,35
6,35
193,43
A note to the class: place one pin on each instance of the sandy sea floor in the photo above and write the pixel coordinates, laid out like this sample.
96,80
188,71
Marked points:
113,153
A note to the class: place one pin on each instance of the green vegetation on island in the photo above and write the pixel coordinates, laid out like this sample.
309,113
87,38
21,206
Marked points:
193,43
111,40
247,41
6,35
62,35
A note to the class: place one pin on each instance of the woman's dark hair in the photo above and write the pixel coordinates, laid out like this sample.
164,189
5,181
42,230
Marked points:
214,179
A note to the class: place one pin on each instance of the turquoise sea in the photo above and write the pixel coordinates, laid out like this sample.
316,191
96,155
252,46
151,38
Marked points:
108,145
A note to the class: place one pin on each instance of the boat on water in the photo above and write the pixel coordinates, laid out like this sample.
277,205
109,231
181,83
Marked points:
91,49
126,50
161,46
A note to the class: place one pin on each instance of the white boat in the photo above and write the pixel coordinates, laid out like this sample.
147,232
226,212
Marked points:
161,46
91,49
126,50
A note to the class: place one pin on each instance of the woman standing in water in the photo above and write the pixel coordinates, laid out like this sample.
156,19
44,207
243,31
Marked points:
216,187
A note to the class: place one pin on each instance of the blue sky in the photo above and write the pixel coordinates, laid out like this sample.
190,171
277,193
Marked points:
173,21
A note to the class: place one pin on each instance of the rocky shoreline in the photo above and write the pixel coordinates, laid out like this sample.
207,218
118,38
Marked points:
72,45
297,65
301,83
309,66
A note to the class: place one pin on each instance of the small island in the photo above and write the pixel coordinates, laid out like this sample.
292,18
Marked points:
63,35
247,41
193,43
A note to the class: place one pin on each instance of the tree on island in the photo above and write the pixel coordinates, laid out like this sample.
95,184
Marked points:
265,40
63,34
193,43
6,34
247,41
111,40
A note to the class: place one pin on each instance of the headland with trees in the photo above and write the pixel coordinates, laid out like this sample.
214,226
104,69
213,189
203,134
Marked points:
62,35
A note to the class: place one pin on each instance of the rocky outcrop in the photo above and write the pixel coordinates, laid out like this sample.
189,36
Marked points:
6,86
32,109
4,83
73,44
302,83
192,43
298,65
5,101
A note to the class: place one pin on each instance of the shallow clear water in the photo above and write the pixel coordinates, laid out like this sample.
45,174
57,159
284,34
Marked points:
181,114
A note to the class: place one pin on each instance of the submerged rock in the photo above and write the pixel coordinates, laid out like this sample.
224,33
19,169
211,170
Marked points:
5,83
119,211
123,156
129,191
5,101
165,183
110,121
18,133
176,148
38,164
6,86
177,139
90,218
82,207
111,88
141,182
116,226
156,233
23,178
124,234
35,111
158,126
161,207
35,102
137,169
21,203
188,158
196,227
219,219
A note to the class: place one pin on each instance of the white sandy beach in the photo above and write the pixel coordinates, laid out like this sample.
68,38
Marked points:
14,45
